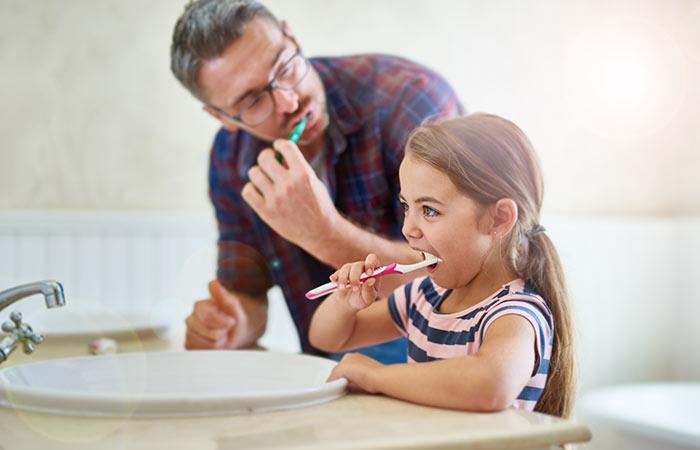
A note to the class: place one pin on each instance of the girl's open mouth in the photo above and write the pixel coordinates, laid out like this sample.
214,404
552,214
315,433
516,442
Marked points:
431,268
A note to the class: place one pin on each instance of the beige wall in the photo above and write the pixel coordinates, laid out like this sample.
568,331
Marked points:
92,119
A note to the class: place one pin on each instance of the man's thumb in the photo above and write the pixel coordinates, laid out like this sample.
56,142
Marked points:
225,299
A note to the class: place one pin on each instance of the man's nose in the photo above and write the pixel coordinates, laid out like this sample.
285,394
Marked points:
286,101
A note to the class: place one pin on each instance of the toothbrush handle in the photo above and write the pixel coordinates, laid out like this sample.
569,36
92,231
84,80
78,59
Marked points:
332,286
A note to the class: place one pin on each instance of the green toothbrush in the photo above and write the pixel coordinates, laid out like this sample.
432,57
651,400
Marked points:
296,134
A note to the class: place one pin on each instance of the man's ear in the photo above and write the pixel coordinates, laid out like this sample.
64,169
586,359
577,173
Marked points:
217,115
504,214
287,30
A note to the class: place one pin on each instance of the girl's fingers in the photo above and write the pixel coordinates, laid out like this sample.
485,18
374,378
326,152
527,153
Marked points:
376,284
349,274
371,263
356,271
343,273
368,293
335,374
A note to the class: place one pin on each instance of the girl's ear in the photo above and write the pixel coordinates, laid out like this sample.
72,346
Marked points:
504,214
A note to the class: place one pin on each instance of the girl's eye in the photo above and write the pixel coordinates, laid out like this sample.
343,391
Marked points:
429,212
404,206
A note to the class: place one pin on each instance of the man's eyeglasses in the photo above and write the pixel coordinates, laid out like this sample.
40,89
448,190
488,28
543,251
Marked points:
259,106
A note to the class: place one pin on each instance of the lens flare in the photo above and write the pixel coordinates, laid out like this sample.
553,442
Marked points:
625,78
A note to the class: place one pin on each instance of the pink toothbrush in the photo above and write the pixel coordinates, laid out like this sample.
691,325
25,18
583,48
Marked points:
390,269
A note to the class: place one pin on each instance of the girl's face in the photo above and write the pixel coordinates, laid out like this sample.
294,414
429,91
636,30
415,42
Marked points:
442,221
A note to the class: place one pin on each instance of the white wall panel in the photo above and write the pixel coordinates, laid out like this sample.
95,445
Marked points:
633,282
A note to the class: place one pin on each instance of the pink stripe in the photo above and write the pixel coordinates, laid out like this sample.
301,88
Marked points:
527,405
440,350
538,380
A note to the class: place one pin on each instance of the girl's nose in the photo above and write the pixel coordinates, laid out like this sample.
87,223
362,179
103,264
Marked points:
286,101
409,229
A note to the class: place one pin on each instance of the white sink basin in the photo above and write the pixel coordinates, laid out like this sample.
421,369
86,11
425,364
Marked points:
170,384
85,322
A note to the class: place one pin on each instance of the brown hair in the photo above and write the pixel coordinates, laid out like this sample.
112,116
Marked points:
489,158
204,30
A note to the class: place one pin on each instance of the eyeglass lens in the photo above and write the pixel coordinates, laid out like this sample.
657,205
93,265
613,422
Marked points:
262,105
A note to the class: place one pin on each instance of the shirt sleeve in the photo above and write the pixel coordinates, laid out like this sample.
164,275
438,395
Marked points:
399,302
240,266
537,313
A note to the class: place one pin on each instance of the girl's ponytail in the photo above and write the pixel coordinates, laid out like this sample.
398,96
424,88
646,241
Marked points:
543,272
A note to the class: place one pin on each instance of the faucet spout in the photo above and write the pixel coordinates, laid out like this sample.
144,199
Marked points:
17,331
51,290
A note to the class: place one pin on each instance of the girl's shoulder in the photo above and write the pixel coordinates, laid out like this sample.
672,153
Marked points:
519,289
517,294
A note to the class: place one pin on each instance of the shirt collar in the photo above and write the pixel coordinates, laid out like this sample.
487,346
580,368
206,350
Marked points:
340,111
343,117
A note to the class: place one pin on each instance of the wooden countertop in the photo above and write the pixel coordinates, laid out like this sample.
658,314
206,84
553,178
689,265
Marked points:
356,421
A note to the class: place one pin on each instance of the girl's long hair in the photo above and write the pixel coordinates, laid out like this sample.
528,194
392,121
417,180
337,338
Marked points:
489,158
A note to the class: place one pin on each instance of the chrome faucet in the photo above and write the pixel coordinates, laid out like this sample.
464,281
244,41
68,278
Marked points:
17,331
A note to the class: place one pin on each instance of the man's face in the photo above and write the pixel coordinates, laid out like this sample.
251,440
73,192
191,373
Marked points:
230,81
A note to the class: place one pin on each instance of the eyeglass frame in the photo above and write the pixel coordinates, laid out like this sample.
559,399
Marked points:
267,89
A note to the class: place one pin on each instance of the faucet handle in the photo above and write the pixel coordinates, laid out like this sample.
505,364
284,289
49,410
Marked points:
23,331
16,318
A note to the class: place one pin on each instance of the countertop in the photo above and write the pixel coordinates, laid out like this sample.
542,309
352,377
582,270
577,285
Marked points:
355,421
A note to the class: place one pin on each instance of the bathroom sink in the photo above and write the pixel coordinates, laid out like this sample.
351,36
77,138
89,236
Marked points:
85,322
170,384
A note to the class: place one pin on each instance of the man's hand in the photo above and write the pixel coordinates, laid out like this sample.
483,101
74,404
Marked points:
225,321
288,196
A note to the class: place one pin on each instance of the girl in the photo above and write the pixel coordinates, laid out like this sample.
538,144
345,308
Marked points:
489,326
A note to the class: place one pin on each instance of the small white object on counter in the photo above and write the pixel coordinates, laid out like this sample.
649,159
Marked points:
103,346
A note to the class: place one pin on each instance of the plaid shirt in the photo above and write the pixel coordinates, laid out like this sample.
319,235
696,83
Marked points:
374,101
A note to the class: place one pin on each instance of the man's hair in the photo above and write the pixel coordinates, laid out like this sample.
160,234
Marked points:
204,31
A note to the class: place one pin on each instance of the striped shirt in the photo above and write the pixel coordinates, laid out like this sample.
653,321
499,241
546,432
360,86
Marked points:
433,335
374,102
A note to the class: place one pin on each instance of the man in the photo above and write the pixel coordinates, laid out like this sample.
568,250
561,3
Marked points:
289,214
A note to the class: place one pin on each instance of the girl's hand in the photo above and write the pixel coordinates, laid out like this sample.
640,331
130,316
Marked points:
358,295
361,372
